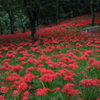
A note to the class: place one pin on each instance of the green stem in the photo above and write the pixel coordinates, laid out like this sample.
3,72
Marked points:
91,94
61,95
14,98
43,84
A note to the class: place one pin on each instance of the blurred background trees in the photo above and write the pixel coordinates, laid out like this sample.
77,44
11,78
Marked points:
25,15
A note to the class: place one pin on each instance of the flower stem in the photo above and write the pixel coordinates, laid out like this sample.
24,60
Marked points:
61,95
43,84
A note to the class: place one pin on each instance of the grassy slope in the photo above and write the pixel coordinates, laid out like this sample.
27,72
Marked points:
62,53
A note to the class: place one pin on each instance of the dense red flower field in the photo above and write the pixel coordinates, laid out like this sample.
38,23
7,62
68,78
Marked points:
64,64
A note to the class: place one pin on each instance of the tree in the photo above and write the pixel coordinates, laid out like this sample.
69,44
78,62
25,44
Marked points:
30,8
9,7
93,6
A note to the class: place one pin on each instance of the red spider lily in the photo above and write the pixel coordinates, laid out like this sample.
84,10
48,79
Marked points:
4,89
29,69
38,64
78,45
31,60
98,99
1,56
2,97
44,57
25,98
28,77
10,55
67,87
68,77
47,77
15,93
42,91
90,82
72,92
44,70
73,66
55,65
7,60
22,87
19,48
26,93
64,59
82,58
13,77
34,49
97,50
23,62
24,53
32,55
56,89
21,58
16,67
79,99
2,83
58,47
91,60
4,48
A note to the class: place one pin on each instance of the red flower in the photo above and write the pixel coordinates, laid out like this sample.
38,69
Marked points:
90,82
2,97
56,89
43,57
21,58
22,86
71,92
15,93
4,89
28,77
26,93
25,98
42,91
68,77
48,77
98,99
16,67
67,87
79,99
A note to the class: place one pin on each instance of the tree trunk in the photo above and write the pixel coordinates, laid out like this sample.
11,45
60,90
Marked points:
93,6
11,22
32,19
1,30
32,14
23,26
57,8
93,19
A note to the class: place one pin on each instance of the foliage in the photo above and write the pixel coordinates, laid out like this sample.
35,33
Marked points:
49,11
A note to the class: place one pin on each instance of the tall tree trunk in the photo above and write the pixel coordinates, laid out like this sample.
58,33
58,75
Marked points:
57,8
93,18
32,19
93,5
11,22
32,14
1,30
23,26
